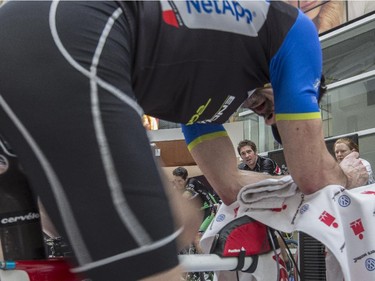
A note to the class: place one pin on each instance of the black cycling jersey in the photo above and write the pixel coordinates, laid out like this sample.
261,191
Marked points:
263,165
198,189
76,76
162,70
223,39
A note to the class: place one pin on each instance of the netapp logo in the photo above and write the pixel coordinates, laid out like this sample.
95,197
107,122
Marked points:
17,219
221,8
240,17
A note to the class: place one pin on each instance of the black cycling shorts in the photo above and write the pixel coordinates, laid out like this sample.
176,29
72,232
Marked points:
68,110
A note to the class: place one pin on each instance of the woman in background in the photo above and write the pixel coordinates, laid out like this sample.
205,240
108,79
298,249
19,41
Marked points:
343,147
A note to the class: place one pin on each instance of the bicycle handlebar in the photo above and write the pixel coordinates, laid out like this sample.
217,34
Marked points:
211,262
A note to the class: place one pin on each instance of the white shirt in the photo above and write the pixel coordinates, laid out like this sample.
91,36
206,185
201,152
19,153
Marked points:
368,168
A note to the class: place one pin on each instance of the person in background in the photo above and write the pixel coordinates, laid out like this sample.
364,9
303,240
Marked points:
180,177
194,189
343,147
251,161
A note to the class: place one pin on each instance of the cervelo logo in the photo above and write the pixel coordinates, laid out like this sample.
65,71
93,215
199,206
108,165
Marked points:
241,17
16,219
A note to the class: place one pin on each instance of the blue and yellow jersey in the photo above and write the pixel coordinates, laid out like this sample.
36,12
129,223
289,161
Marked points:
203,58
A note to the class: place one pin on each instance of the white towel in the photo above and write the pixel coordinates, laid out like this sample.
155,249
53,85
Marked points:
343,220
267,194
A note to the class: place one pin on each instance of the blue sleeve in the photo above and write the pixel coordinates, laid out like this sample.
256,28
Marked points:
197,133
295,72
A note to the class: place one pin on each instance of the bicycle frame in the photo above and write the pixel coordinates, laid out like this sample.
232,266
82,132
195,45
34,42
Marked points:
56,269
22,245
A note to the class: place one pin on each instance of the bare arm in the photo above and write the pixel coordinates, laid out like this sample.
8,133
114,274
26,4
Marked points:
309,162
217,160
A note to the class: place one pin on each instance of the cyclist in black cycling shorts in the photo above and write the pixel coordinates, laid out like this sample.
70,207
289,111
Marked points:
77,76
